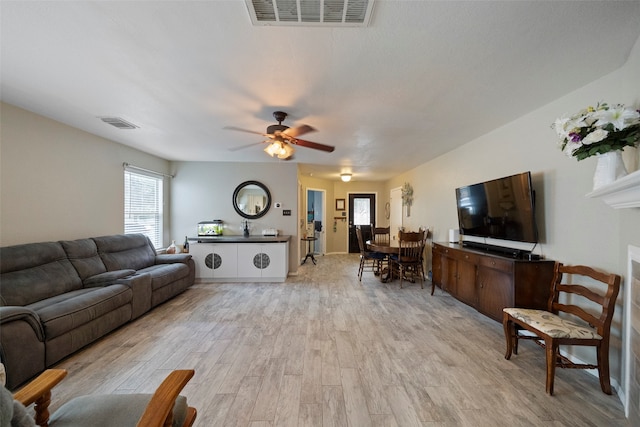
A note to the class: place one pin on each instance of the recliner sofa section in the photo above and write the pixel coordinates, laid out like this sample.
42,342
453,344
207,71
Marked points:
57,297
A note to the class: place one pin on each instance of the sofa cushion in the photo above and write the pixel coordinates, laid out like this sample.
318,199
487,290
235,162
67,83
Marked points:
65,312
165,274
125,251
83,254
107,278
35,271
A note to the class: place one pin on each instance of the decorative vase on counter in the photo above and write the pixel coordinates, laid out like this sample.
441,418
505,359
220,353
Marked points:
172,249
609,168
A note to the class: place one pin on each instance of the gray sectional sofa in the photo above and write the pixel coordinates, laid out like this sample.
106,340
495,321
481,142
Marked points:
57,297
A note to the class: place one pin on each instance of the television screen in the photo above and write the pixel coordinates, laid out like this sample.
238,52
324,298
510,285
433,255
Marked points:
501,209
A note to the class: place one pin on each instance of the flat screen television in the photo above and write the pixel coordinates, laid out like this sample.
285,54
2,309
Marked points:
499,209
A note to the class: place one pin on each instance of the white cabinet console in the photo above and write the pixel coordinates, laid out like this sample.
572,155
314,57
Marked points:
241,259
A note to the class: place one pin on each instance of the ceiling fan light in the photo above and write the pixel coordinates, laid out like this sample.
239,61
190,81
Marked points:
345,177
269,150
279,149
286,151
273,149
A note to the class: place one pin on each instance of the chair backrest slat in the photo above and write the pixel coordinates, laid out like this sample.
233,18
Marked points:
606,300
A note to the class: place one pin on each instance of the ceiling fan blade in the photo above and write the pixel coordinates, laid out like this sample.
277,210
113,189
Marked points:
244,130
242,147
314,145
298,130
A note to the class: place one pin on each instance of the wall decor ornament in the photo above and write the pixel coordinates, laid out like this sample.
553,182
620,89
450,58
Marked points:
407,196
602,131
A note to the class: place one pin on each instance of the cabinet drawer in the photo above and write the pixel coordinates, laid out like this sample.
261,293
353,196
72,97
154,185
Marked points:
497,264
437,249
465,256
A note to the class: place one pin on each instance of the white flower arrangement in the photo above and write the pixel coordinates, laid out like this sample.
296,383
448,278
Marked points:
407,194
598,130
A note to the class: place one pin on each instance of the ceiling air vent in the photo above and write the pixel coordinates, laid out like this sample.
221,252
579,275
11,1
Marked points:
118,122
354,13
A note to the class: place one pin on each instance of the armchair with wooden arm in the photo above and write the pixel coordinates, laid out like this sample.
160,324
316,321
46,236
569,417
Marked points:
165,407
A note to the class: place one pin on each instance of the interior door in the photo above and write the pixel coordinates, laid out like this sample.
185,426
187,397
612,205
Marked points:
362,212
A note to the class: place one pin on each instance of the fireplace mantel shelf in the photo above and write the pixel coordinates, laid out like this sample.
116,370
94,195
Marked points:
623,193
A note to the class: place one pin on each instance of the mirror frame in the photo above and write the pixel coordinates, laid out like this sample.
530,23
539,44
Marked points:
240,212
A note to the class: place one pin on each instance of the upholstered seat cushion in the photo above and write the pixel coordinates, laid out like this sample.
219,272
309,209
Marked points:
375,255
63,313
165,274
552,324
111,410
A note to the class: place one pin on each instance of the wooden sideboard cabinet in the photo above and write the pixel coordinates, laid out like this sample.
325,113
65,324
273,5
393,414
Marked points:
489,282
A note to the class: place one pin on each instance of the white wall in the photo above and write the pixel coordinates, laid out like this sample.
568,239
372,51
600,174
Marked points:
574,229
202,191
58,182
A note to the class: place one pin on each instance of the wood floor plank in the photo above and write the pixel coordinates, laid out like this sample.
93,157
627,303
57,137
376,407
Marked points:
333,407
288,409
354,398
310,415
267,399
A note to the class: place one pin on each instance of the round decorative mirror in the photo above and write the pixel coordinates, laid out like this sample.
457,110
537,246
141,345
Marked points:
251,199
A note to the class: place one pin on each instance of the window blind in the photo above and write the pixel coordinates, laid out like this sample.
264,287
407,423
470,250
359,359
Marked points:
143,205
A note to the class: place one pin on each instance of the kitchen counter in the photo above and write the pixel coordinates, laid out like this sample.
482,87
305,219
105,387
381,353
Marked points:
240,239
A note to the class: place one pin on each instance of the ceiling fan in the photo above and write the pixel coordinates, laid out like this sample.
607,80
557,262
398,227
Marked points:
281,137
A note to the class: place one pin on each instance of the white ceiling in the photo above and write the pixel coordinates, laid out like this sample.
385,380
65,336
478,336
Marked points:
423,78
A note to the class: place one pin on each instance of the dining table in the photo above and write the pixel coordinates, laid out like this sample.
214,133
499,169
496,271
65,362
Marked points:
388,248
384,247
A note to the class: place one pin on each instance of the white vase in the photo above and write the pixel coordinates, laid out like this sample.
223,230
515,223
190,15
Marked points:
609,168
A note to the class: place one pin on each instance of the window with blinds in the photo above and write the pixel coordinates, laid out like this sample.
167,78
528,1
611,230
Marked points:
143,205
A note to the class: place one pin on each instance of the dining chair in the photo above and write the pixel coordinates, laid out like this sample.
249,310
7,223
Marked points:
569,320
381,234
368,258
408,262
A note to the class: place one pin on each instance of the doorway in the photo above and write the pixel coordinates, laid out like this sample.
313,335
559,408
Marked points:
362,212
315,219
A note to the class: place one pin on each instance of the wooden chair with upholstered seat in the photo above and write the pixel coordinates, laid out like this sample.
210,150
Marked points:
408,262
576,315
165,407
381,235
367,258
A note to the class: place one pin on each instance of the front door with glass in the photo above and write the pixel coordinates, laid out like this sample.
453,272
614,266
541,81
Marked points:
362,213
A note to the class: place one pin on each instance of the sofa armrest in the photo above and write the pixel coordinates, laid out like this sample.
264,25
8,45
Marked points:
140,284
172,258
21,344
16,313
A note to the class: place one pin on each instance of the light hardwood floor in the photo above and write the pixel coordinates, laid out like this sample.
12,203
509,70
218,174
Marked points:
323,349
